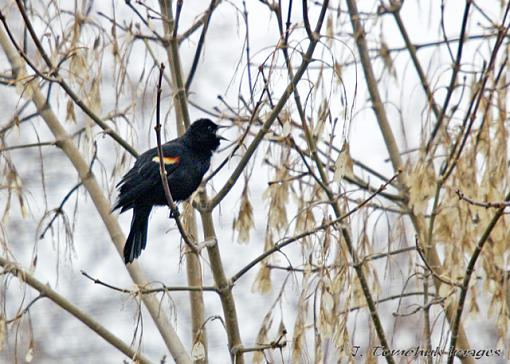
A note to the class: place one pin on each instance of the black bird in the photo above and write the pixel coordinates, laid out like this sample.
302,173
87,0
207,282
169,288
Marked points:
186,160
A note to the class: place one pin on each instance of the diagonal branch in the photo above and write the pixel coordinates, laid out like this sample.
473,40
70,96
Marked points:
453,78
467,278
46,291
200,44
377,104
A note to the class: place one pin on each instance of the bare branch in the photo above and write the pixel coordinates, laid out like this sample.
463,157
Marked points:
142,291
59,300
453,78
486,204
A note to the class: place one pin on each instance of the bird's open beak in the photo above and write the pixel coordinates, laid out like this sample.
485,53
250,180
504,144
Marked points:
219,136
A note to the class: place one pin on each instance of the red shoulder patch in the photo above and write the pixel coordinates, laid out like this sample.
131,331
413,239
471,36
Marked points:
167,160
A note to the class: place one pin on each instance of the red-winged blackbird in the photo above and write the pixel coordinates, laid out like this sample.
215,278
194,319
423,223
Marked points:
186,160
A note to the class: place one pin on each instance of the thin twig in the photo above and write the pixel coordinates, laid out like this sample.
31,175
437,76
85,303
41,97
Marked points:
29,145
142,291
162,170
144,21
178,9
417,65
59,210
306,20
432,270
453,78
279,344
25,310
382,300
247,48
486,204
316,268
200,44
238,144
200,22
425,307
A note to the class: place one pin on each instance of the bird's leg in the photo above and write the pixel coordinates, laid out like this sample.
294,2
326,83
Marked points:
174,213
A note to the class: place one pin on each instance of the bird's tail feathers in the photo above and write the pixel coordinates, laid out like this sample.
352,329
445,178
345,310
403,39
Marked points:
137,239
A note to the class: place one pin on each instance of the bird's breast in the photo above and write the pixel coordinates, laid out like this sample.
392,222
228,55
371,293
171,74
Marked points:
186,179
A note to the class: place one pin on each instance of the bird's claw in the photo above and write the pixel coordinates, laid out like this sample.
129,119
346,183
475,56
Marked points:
208,243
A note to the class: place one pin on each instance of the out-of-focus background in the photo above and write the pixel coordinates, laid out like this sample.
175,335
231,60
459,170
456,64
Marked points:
108,52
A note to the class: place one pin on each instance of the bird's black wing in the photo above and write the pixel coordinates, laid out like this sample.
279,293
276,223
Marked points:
145,174
148,167
147,164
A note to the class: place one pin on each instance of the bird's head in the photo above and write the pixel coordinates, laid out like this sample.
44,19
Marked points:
202,135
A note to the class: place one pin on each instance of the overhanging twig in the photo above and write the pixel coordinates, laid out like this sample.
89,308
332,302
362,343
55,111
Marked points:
162,170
